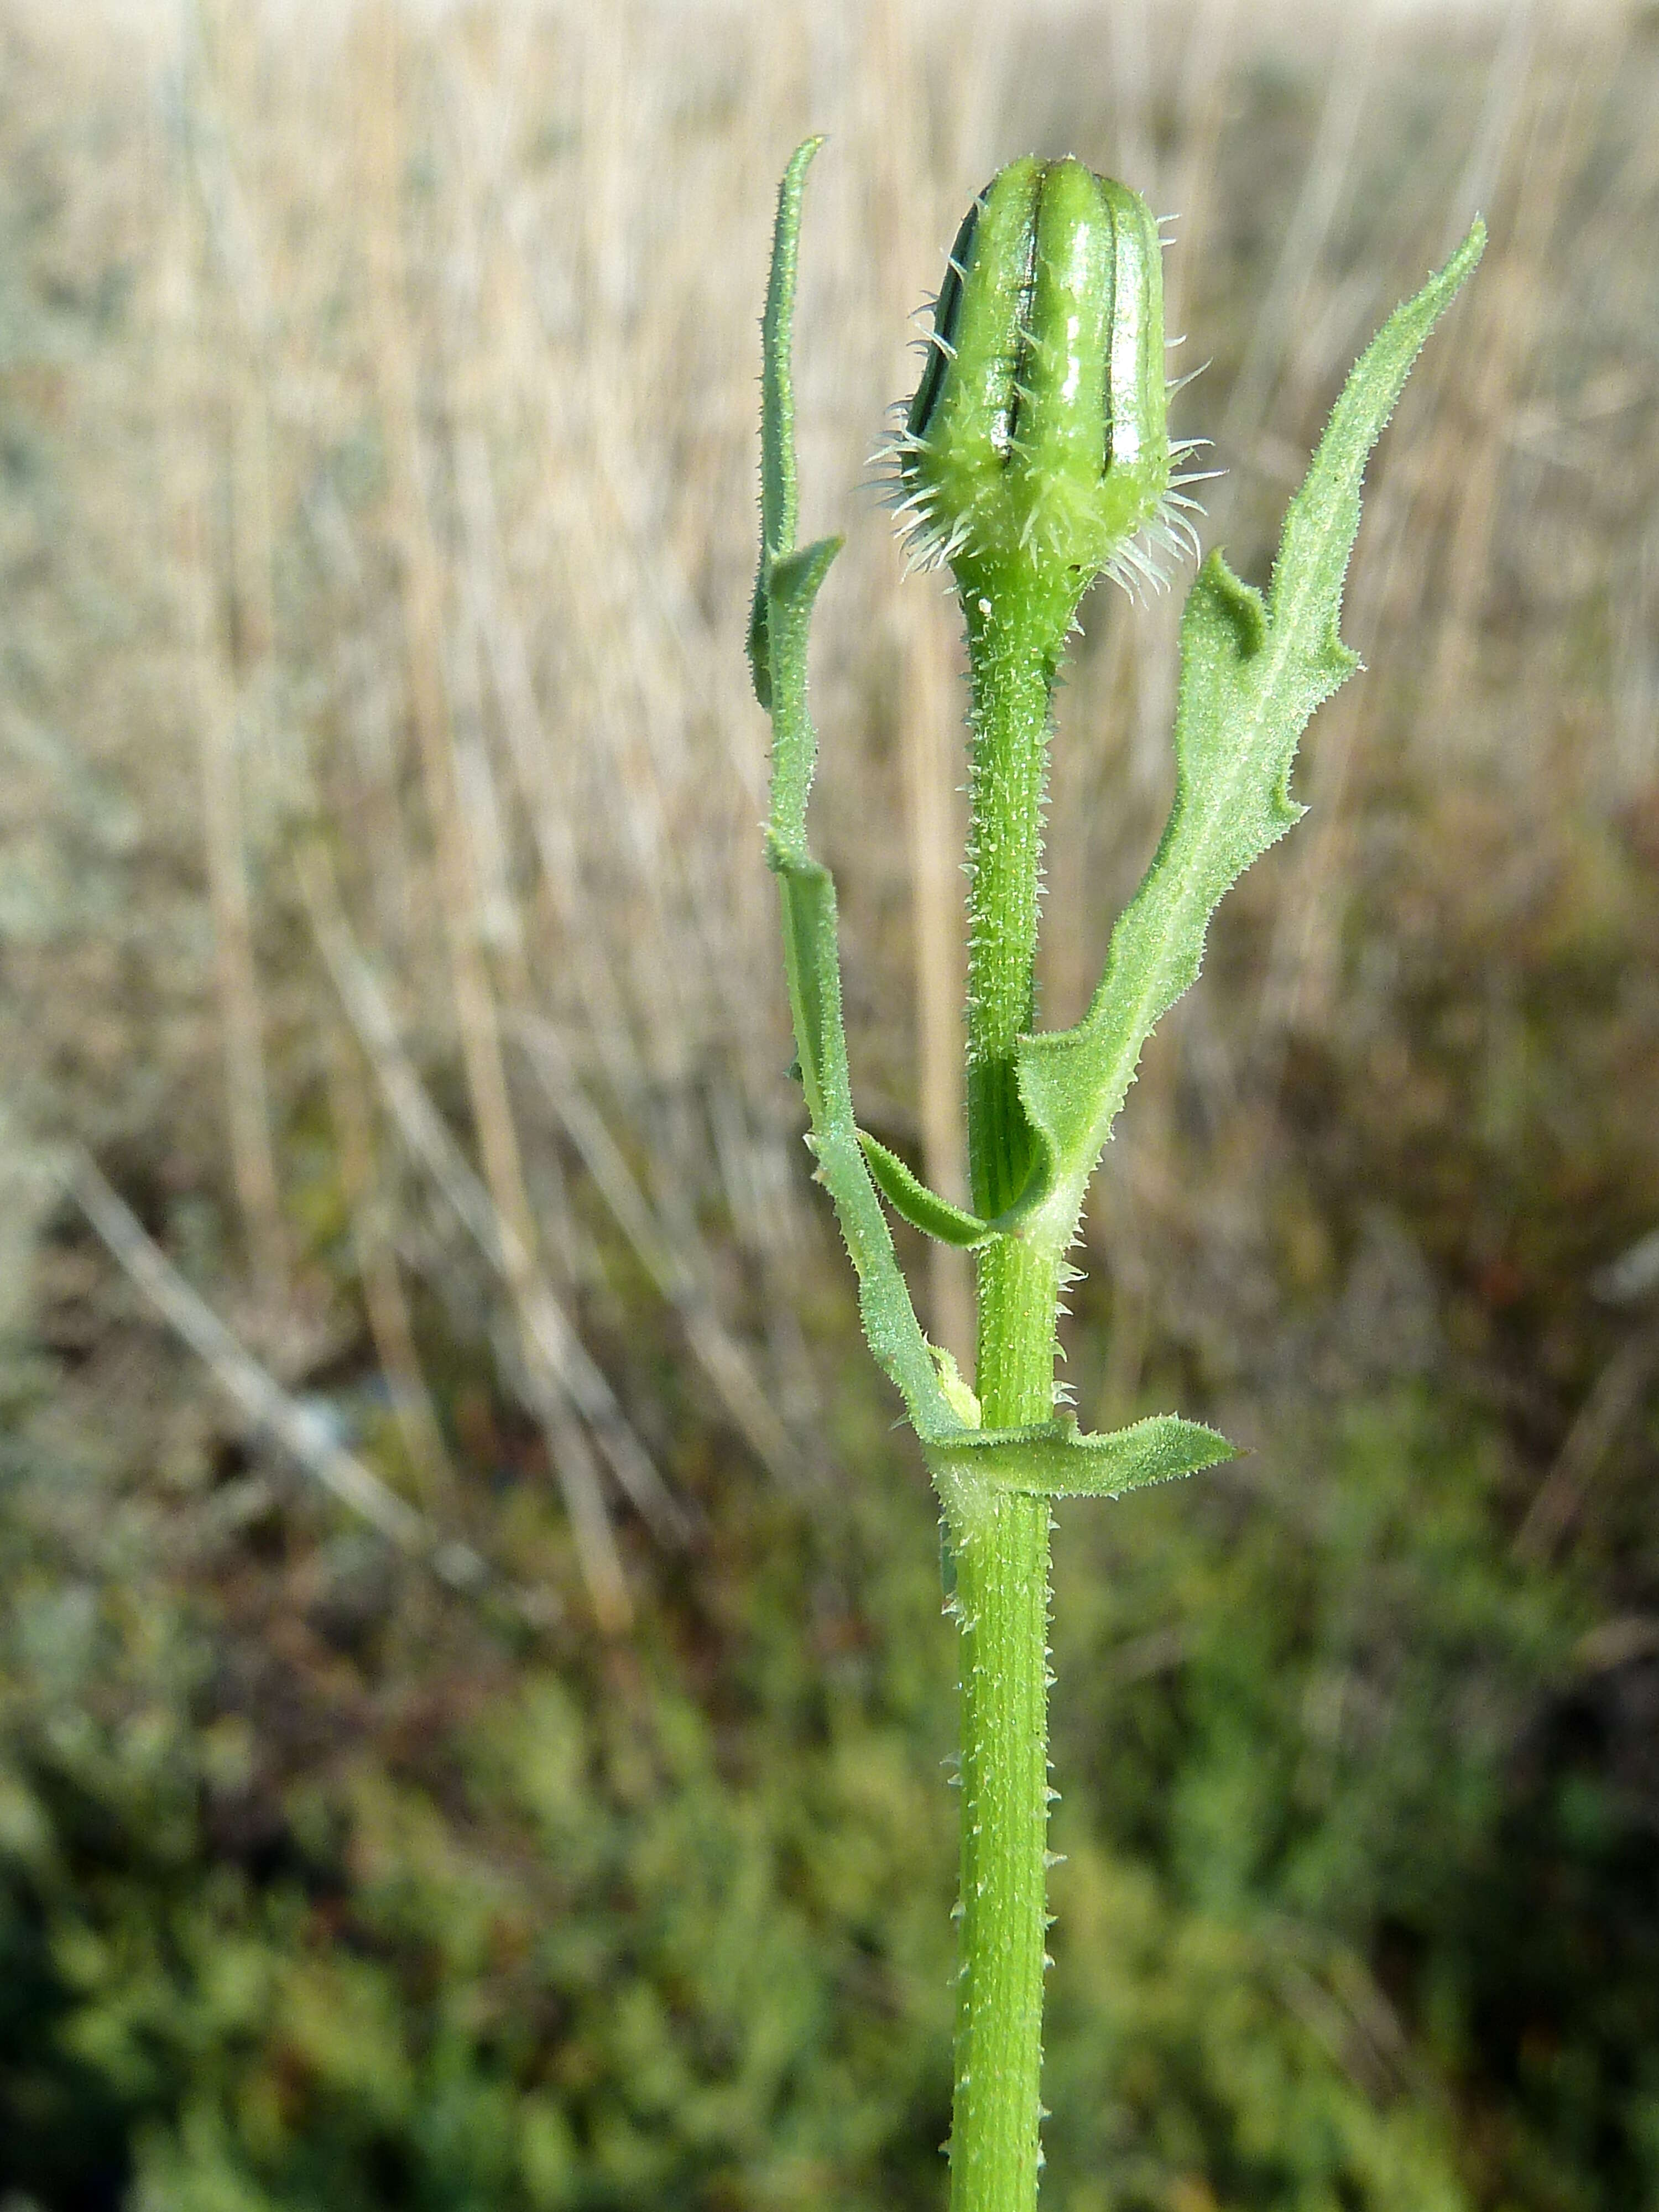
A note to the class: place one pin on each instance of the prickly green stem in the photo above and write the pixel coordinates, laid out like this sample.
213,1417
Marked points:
1043,448
1002,1606
1018,1299
1002,1612
1013,664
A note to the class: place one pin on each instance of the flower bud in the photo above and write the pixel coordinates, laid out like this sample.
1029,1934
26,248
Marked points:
1036,447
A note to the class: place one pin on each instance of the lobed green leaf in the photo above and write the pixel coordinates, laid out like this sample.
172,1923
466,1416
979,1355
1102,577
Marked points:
1252,673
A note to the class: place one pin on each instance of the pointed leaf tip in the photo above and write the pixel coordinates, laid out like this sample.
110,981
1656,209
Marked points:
924,1209
1057,1460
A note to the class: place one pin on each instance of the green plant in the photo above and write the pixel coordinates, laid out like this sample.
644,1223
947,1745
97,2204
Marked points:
1034,454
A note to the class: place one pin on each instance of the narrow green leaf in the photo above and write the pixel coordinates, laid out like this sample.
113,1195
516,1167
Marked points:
895,1335
786,590
1252,674
924,1209
778,502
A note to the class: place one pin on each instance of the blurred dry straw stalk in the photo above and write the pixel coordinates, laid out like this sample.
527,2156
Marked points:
381,775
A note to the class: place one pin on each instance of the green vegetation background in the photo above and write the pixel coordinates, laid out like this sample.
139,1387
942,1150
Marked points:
324,1888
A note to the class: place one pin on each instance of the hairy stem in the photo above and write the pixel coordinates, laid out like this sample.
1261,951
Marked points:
1002,1599
1002,1560
1013,659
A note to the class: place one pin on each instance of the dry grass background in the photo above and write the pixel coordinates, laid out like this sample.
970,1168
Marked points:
381,784
388,974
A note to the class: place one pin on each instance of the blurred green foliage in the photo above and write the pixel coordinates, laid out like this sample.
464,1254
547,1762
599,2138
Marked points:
1352,1914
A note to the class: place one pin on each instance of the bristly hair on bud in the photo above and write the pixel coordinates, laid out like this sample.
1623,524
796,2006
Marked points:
1035,451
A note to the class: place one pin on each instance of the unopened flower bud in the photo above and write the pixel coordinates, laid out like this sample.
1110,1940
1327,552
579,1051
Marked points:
1036,448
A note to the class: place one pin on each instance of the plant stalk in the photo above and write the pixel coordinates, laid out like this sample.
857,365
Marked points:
1002,1560
1014,642
1034,449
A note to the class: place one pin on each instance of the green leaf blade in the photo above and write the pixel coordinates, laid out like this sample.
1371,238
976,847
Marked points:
1323,519
1253,672
891,1327
778,496
1059,1460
